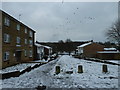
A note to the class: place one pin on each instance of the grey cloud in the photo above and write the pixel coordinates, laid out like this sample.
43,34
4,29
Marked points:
55,21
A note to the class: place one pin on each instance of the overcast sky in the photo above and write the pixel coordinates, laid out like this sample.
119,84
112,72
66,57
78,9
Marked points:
59,21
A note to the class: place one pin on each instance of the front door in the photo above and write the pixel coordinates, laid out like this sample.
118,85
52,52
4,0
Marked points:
18,55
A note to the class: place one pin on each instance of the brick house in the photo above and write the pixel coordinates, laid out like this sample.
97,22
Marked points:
16,41
109,54
89,49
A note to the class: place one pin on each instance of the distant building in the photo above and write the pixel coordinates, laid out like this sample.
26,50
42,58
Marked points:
89,49
62,46
41,51
16,41
47,51
109,54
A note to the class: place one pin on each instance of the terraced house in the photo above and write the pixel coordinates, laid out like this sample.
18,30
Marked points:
16,41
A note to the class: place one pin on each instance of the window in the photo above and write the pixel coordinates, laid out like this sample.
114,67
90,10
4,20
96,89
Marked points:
30,33
6,56
18,26
30,53
25,41
6,38
30,42
18,40
25,30
25,52
7,21
81,50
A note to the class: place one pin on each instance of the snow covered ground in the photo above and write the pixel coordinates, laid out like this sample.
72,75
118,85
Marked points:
30,79
22,66
92,76
42,61
17,67
114,61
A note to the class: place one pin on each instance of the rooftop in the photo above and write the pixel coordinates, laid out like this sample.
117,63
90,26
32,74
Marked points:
39,45
108,52
83,45
108,49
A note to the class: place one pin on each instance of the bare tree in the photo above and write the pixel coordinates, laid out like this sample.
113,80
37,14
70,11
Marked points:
113,32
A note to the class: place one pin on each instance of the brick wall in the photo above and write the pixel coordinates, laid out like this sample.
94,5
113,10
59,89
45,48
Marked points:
11,46
91,50
109,56
0,39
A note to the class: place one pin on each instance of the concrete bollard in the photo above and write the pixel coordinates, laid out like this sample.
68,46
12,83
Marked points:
104,68
57,69
80,69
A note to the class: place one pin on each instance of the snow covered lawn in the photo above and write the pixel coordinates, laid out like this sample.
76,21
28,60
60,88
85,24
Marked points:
30,79
17,67
22,66
92,76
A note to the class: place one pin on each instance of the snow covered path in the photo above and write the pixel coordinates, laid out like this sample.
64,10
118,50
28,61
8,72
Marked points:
92,76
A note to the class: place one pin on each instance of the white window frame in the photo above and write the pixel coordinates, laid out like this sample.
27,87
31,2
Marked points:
6,55
30,53
6,38
30,34
6,21
26,30
26,41
18,27
18,40
30,42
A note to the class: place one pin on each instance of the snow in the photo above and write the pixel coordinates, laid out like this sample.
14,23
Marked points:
110,49
83,45
41,61
23,66
17,67
92,76
30,79
39,45
108,52
54,55
47,47
114,61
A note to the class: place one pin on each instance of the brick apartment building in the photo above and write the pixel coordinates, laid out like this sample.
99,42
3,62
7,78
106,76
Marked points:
16,41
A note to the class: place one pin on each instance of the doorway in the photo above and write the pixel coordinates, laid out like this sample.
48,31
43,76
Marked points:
18,55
